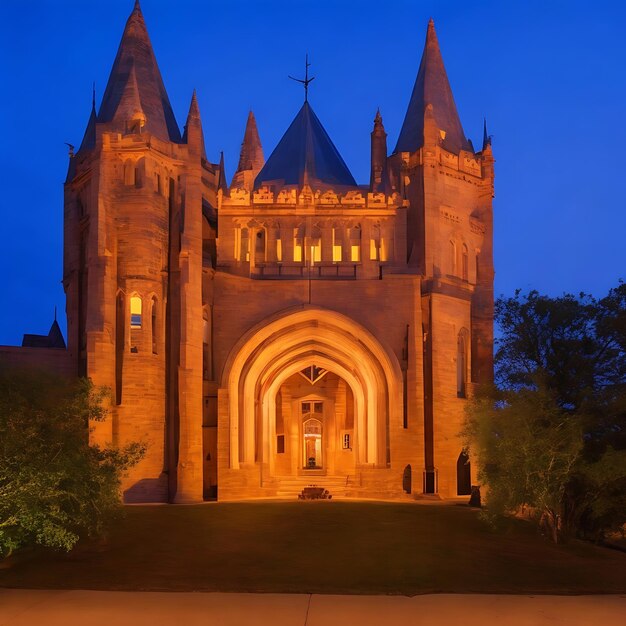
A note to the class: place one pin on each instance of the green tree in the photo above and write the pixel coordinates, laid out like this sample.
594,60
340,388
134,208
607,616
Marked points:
550,435
54,486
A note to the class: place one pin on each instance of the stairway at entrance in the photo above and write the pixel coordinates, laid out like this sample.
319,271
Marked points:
291,486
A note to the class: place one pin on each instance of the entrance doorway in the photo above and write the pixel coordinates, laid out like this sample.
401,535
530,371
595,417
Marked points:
312,415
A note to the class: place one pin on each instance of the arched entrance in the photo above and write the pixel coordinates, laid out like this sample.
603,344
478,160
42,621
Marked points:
310,390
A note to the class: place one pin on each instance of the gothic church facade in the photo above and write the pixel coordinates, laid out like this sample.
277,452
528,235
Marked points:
292,327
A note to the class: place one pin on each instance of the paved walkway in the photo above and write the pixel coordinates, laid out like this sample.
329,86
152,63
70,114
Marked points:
23,607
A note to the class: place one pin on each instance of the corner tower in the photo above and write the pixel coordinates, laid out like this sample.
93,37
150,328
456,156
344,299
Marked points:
133,266
449,188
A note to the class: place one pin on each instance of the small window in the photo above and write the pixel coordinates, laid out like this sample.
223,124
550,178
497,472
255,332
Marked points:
316,250
465,263
337,245
452,249
306,407
355,244
279,250
135,312
245,245
346,444
298,244
317,407
280,444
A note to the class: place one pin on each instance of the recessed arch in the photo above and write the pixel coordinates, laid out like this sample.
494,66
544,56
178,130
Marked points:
287,342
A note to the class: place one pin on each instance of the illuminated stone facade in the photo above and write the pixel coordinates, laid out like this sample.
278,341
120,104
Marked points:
292,328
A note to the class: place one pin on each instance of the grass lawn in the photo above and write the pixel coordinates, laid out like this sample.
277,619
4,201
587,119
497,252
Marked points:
323,547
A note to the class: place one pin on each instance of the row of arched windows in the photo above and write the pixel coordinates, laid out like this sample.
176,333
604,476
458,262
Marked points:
345,243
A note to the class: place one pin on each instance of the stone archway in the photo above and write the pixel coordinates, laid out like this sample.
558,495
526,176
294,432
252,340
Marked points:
281,346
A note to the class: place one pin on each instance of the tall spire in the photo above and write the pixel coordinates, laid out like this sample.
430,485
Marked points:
486,136
378,174
251,157
135,51
222,182
432,87
193,127
89,138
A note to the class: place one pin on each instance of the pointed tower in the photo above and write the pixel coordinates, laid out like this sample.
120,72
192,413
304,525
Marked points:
223,179
251,158
448,190
378,176
432,88
135,54
193,134
133,271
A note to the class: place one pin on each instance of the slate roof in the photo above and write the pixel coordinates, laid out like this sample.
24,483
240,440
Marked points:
306,154
432,87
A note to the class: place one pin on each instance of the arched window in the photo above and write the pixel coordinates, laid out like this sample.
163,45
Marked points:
463,475
355,244
298,243
462,364
316,245
464,263
337,244
260,246
135,312
452,253
140,171
153,325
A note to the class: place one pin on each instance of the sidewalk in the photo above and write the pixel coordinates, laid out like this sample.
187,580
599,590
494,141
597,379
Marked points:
24,607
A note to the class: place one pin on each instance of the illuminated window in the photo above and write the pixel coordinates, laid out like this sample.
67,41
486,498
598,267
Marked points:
375,243
337,245
316,251
298,243
279,250
355,244
135,312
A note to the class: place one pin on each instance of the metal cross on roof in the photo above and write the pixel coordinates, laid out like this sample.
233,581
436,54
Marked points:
306,80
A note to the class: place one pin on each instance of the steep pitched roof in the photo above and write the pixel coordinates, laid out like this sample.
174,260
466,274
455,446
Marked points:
306,154
251,155
54,339
432,87
136,51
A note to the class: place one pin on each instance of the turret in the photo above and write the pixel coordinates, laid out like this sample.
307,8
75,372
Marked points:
251,158
193,135
378,175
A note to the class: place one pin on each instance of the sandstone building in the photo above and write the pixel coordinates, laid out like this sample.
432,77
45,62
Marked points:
293,327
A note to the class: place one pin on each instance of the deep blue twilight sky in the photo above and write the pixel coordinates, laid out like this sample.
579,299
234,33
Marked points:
549,75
